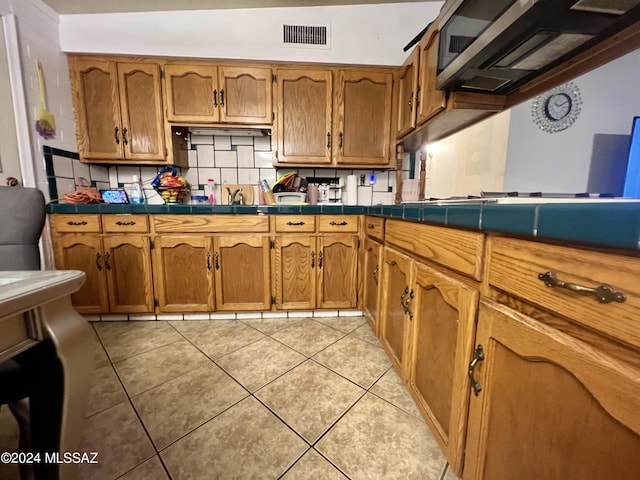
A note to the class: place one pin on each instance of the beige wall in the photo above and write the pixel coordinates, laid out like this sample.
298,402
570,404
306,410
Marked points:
9,159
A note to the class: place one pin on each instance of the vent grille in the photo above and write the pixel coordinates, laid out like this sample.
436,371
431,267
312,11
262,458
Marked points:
458,43
304,35
617,7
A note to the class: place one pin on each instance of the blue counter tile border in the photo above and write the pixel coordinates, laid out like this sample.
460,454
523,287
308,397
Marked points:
615,225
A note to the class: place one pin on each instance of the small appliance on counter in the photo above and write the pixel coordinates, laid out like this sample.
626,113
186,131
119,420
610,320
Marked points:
329,189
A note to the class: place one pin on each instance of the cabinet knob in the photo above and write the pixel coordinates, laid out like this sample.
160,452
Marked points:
604,293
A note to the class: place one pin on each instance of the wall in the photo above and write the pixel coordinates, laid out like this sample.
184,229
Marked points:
9,159
576,159
360,34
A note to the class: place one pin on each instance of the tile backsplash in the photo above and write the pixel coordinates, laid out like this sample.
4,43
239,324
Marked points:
226,159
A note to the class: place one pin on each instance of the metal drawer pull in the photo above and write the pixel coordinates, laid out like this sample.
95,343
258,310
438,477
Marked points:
76,223
106,261
320,260
404,294
208,256
478,356
98,266
217,259
604,293
375,273
336,224
295,224
125,223
371,226
313,259
406,305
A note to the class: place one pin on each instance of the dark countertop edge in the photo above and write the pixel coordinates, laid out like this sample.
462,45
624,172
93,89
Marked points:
609,225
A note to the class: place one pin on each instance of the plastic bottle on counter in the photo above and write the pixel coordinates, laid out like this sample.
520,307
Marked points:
211,191
136,196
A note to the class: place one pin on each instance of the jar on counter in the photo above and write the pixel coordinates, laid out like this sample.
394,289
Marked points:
198,200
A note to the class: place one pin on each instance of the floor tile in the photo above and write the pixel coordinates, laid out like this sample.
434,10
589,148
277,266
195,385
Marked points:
151,469
308,336
344,324
365,333
105,391
119,439
313,466
310,398
125,339
246,441
398,445
217,338
355,359
392,389
173,409
259,363
100,357
152,368
269,326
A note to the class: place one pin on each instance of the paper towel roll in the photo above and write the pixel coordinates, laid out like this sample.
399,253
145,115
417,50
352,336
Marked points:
351,190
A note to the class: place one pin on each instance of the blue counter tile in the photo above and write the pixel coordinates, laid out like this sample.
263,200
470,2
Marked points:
289,209
157,209
61,208
464,216
335,209
179,208
434,214
412,212
519,219
611,224
353,209
311,209
224,209
114,208
137,209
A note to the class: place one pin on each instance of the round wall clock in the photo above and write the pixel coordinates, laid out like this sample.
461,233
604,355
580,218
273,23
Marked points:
557,109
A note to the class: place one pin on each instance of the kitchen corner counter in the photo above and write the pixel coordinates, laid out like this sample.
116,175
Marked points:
606,224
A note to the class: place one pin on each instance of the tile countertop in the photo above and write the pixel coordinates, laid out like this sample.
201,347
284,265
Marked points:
605,224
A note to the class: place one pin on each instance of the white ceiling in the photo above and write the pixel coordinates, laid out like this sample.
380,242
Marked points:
64,7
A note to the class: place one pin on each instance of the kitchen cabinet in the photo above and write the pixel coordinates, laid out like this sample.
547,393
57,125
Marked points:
429,100
407,93
334,117
371,265
118,109
337,270
209,93
117,265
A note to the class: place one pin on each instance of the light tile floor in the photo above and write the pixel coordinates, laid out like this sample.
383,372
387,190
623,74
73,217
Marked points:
289,398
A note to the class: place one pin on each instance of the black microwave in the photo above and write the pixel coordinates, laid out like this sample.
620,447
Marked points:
493,46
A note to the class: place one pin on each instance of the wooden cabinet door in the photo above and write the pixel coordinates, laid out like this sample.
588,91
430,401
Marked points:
337,271
304,116
394,326
245,95
429,100
362,121
97,109
442,316
183,272
192,93
242,272
127,261
141,110
371,282
550,405
407,89
295,272
84,252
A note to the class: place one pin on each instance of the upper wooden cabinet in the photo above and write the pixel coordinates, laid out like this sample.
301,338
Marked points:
199,93
429,100
334,117
118,109
407,93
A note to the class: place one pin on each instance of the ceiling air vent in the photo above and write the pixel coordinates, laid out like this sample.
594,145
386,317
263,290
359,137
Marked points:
305,36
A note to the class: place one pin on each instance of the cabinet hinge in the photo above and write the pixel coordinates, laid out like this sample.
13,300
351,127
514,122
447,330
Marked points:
273,300
477,314
273,77
273,116
152,245
161,73
272,243
156,302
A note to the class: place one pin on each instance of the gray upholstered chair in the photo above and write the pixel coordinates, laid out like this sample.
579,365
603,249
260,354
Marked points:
22,216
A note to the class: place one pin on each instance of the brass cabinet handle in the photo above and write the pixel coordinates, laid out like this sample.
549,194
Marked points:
295,224
371,226
217,257
406,305
336,224
375,274
404,294
106,261
215,98
70,222
125,223
115,134
124,136
478,356
222,98
208,256
313,259
604,293
98,266
328,139
340,138
320,260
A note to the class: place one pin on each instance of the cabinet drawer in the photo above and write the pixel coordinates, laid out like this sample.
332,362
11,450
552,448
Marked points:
61,223
515,266
295,223
125,223
211,223
459,250
374,227
338,223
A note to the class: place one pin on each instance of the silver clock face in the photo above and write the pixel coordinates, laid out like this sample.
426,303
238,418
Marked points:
557,109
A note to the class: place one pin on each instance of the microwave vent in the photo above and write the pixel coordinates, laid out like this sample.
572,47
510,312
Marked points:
458,43
551,51
617,7
305,35
485,83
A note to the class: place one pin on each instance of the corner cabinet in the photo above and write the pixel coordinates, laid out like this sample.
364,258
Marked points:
371,270
118,109
407,93
208,93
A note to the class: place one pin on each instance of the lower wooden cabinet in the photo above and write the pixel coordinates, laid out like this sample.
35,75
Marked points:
337,271
372,258
549,405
